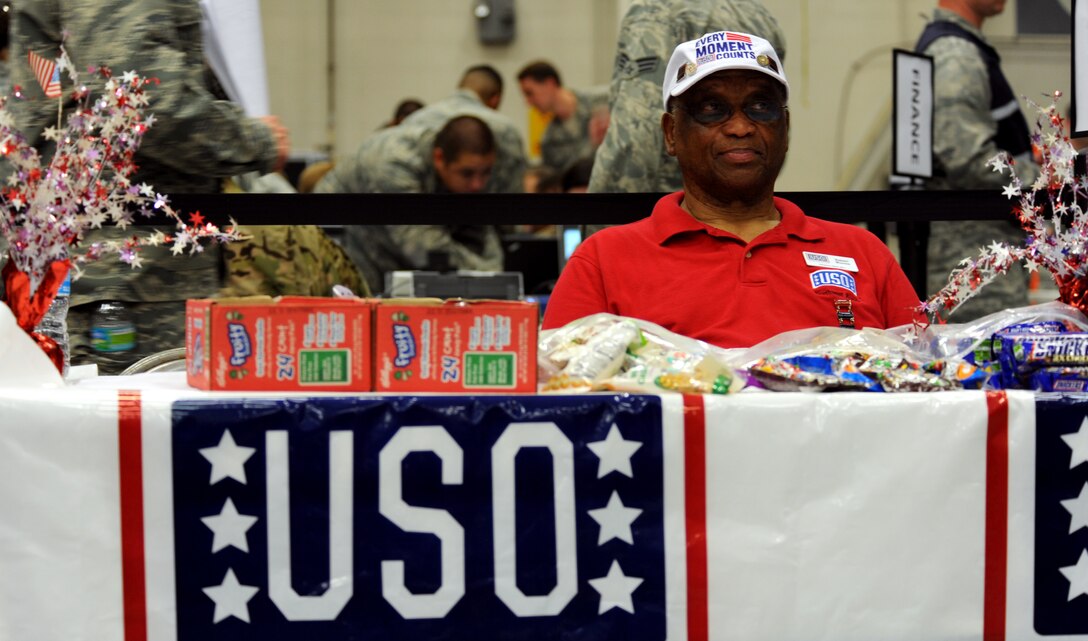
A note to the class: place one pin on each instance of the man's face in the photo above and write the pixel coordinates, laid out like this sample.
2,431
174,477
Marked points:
540,94
730,133
468,173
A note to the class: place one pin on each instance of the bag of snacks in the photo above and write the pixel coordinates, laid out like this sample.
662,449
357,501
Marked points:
609,352
829,359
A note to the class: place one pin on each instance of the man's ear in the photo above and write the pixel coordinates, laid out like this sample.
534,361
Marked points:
787,110
667,124
439,158
494,101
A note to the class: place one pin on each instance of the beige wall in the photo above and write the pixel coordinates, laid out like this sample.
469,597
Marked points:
838,62
387,50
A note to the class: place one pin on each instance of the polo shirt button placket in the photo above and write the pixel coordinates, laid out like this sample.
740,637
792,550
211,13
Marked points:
748,255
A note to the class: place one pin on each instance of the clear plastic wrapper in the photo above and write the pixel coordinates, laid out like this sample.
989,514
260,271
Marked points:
980,342
826,359
962,340
609,352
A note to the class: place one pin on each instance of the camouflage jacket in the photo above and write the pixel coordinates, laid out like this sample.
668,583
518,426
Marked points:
510,164
632,157
566,141
399,159
196,139
379,249
298,260
387,161
963,126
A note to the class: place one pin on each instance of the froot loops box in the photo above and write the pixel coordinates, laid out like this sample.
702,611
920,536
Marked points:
279,344
434,345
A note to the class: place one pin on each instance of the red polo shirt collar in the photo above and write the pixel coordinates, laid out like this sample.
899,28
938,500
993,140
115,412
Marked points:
669,220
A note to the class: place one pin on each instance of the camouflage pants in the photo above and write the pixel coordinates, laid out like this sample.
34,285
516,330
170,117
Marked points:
159,326
952,241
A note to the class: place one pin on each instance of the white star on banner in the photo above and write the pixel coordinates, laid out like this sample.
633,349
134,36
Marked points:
1079,444
615,589
615,520
229,528
1078,510
227,459
1077,576
231,598
614,453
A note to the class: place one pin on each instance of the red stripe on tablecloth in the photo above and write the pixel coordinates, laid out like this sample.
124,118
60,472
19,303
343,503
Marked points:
695,509
134,589
997,517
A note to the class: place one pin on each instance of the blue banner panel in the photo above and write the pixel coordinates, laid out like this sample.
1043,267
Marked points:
420,518
1061,515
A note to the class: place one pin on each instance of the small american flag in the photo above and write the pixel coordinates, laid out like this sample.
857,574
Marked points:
45,70
737,36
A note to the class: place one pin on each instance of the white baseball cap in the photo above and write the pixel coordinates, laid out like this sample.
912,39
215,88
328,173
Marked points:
696,59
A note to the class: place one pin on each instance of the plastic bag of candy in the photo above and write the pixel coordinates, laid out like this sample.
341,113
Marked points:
609,352
829,359
1012,344
963,340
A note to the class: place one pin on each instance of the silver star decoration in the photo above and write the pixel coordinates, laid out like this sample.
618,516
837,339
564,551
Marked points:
231,598
614,453
229,528
228,459
998,163
615,589
1078,442
615,520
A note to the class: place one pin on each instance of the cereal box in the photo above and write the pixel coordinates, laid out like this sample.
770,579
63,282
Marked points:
430,345
289,343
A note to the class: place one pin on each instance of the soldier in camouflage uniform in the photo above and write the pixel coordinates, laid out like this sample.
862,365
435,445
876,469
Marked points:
632,157
976,116
408,159
411,144
567,138
195,141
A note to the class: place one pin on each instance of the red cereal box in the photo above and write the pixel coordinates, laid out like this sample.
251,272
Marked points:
290,343
430,345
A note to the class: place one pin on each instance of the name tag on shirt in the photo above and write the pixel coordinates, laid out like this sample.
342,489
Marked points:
813,259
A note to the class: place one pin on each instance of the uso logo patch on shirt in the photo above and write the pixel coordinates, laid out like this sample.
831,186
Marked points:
833,278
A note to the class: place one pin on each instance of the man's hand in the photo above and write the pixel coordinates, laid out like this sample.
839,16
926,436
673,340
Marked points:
283,143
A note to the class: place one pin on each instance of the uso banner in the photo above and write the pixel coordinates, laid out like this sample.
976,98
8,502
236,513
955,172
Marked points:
181,515
426,518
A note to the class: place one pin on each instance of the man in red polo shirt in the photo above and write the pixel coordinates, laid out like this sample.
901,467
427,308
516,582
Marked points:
724,260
